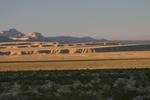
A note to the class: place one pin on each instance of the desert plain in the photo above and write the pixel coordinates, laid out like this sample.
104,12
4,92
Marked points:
103,60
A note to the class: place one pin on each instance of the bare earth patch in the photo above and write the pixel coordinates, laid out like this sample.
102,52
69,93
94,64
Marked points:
111,60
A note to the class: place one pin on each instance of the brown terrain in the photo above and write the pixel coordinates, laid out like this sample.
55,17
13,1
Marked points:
88,58
111,60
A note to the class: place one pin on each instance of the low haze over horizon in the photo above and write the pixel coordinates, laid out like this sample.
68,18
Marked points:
109,19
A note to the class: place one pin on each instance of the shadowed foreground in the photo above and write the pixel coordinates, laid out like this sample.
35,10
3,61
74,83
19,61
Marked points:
133,84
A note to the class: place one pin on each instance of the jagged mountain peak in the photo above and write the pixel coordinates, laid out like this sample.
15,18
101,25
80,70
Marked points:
13,30
14,34
34,35
11,33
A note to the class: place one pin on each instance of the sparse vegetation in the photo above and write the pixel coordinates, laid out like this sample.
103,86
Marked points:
133,84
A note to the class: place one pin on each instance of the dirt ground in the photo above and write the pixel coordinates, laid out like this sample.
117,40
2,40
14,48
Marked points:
111,60
72,65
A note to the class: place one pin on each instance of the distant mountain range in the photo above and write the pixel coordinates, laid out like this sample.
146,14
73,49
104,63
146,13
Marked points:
13,35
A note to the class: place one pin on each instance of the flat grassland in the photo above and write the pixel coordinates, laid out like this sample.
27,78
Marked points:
105,60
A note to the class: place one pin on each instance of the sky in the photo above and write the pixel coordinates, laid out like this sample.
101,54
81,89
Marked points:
109,19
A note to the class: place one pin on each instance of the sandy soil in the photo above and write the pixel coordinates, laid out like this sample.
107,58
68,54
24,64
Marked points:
103,64
111,60
102,55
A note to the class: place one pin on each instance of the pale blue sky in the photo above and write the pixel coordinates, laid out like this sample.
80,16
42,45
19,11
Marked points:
111,19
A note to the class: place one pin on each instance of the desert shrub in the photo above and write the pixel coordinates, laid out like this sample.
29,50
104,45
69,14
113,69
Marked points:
133,84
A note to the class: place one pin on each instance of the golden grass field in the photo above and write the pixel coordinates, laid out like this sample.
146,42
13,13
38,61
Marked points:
107,60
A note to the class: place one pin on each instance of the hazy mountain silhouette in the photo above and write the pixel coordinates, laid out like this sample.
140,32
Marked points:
11,33
15,35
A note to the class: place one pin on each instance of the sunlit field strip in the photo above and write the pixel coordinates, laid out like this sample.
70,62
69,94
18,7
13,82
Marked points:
78,65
